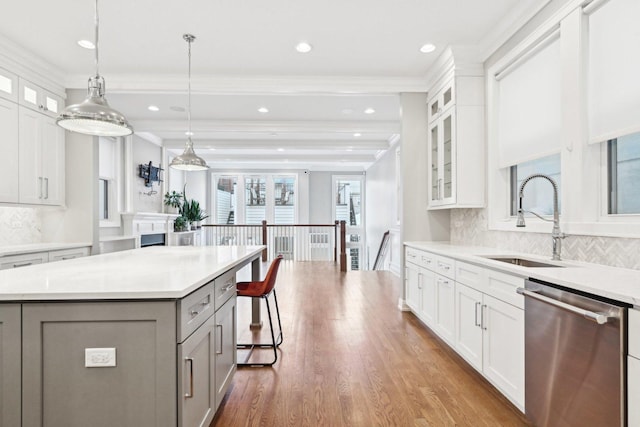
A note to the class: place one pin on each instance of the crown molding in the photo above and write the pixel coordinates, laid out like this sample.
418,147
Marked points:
297,145
163,84
20,61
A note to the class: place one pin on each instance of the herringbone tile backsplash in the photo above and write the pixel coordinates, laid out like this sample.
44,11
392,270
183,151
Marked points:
469,227
19,226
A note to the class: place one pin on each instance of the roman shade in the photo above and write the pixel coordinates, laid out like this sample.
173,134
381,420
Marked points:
614,70
529,104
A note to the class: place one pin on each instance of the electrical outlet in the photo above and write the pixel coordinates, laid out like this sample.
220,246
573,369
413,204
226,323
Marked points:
99,357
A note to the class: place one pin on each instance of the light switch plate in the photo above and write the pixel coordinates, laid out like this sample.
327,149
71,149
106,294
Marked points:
99,357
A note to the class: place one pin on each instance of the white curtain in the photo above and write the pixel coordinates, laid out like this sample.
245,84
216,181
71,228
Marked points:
614,70
529,105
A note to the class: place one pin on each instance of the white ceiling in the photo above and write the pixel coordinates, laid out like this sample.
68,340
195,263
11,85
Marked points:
365,52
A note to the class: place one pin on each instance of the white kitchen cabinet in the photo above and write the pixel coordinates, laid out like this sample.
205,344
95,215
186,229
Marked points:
8,149
23,260
39,99
468,341
8,85
41,159
65,254
456,143
429,287
412,286
633,369
503,347
446,300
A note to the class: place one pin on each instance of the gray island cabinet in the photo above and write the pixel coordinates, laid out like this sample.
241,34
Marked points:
137,338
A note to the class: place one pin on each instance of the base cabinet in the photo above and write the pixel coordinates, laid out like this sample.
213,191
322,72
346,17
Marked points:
226,354
196,377
633,391
10,363
65,386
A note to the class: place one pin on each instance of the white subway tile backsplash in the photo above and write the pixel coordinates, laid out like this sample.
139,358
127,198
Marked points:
19,226
469,227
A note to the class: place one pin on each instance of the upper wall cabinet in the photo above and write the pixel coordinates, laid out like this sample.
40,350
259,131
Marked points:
456,154
41,176
8,85
39,99
31,142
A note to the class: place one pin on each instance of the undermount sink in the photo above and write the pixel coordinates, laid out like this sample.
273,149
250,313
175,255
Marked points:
523,262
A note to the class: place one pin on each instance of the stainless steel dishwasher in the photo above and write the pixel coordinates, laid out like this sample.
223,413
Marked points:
575,354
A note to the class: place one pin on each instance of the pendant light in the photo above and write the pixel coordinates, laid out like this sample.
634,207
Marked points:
188,160
94,116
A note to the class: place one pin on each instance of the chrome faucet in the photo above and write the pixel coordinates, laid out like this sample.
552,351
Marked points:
556,234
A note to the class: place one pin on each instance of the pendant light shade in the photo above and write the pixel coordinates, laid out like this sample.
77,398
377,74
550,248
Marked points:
188,160
94,116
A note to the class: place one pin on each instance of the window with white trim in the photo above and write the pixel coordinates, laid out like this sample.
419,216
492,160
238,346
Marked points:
111,182
623,156
538,194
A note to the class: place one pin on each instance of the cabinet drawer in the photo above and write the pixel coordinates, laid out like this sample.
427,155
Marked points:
503,287
15,261
428,260
194,310
445,267
65,254
470,275
225,288
634,333
412,256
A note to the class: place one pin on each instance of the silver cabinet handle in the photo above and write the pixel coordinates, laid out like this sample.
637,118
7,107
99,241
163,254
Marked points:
443,281
46,188
40,180
482,317
479,324
599,318
190,361
228,287
221,330
444,266
22,264
419,281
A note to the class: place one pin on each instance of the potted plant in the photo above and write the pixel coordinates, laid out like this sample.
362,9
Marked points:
193,213
180,224
174,201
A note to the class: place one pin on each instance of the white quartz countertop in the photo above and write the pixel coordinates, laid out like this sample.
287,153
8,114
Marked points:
157,272
39,247
618,284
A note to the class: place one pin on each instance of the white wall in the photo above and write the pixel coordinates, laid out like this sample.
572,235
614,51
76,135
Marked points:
144,152
381,210
78,222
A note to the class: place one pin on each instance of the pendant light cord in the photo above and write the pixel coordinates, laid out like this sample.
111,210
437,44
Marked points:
189,40
97,40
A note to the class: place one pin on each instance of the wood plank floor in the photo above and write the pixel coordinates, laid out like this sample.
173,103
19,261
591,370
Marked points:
351,358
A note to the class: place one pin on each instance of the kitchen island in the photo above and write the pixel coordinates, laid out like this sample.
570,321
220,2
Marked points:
144,337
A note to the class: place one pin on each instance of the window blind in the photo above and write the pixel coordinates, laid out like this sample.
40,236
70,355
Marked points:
614,70
107,165
529,106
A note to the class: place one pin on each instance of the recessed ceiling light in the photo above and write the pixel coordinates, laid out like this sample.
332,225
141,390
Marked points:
87,44
263,110
212,149
349,149
188,133
280,149
369,111
153,108
427,48
357,134
303,47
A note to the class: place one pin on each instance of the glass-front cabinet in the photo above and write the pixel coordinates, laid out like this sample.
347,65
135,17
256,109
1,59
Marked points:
455,153
442,160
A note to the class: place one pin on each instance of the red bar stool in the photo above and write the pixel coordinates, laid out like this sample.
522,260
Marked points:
263,289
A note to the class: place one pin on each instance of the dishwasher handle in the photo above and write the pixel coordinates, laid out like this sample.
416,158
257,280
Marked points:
599,318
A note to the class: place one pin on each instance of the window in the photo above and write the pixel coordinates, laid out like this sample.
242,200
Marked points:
255,200
111,182
226,200
623,156
284,205
538,194
103,196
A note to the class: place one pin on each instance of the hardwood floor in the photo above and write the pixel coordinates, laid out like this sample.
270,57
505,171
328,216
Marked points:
351,358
